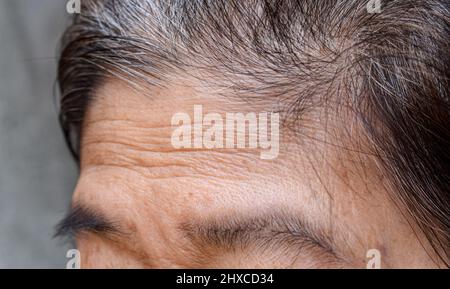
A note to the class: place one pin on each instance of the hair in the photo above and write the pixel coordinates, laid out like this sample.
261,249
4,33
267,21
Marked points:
392,68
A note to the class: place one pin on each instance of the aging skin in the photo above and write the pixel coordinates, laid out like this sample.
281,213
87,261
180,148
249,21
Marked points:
315,206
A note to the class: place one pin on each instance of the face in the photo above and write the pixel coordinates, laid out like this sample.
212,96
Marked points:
142,203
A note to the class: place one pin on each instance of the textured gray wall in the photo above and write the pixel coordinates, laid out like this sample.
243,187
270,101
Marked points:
37,174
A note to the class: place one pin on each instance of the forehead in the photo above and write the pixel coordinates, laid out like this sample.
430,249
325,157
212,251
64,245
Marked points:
127,140
129,166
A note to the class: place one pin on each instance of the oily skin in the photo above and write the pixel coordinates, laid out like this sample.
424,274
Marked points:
131,174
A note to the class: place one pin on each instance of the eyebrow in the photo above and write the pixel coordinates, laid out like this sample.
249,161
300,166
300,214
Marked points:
268,230
227,233
82,219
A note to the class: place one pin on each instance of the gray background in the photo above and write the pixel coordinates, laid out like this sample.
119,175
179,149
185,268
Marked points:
37,173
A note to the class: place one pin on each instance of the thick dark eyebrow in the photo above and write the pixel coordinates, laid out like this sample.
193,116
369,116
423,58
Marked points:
81,219
280,230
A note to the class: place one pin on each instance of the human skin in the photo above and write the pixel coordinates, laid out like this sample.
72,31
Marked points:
130,173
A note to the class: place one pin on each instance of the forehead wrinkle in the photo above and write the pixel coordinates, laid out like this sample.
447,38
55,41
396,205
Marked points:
141,139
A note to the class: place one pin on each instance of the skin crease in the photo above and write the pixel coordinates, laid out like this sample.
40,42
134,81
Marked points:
131,173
